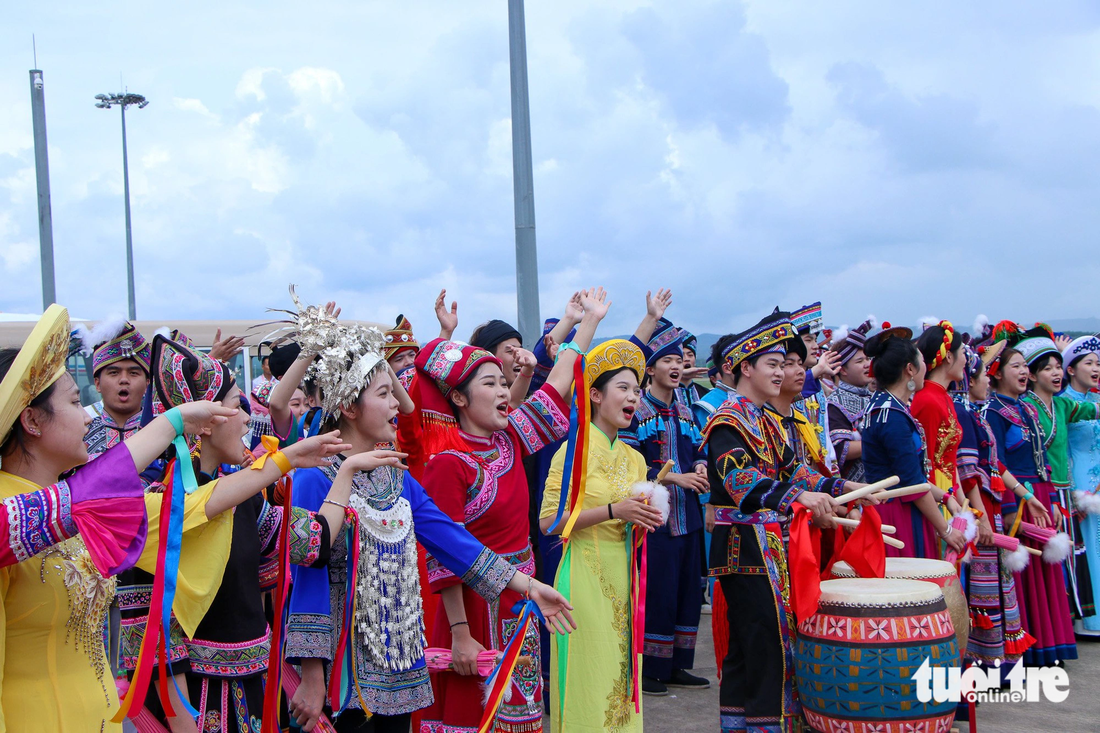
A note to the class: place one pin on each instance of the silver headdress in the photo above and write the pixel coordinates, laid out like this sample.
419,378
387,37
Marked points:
348,356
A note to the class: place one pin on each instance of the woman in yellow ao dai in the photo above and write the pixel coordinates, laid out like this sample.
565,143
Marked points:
590,671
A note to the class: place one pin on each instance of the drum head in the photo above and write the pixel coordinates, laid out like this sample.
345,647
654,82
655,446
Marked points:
912,568
878,591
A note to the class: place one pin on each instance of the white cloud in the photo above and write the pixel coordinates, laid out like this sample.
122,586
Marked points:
875,156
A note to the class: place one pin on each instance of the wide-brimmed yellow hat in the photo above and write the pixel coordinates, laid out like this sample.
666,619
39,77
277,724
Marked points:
40,363
611,355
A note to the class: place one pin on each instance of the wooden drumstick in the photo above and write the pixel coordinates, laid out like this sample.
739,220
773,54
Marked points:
896,543
664,471
868,489
853,523
903,491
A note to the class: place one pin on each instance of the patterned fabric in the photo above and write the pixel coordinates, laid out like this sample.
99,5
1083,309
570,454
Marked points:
450,363
229,705
241,659
399,337
666,340
133,602
40,363
103,432
706,405
853,341
846,406
614,354
770,333
37,520
128,344
318,594
662,433
808,319
754,477
181,374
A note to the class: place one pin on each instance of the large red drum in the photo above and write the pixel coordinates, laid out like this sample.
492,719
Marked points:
855,658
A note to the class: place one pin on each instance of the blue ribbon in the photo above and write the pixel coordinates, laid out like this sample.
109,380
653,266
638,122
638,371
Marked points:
183,482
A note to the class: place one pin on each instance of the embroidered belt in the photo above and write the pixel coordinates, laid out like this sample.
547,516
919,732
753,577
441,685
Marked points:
220,659
727,515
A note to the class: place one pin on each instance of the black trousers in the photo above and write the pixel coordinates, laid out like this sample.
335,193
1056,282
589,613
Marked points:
751,694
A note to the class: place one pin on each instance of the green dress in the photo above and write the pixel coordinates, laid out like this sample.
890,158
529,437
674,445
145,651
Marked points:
589,669
1053,423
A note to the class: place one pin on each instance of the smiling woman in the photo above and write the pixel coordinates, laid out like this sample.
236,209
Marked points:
476,477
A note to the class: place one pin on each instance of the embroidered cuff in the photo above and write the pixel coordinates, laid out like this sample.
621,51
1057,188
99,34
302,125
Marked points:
39,519
308,538
309,636
489,574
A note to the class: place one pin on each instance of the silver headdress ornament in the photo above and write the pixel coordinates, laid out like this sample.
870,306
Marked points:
347,356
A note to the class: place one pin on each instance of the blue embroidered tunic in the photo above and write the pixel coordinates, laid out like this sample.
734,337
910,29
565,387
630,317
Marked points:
662,432
317,599
893,442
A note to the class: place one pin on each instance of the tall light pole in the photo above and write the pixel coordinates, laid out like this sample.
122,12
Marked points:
42,175
106,101
527,263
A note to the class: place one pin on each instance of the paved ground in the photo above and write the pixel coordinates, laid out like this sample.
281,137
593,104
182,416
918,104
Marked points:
688,712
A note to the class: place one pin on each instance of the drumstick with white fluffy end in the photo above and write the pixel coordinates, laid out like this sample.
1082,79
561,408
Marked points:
1056,545
655,493
1017,554
853,523
868,489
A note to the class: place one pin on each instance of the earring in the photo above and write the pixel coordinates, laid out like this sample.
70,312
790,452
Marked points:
911,386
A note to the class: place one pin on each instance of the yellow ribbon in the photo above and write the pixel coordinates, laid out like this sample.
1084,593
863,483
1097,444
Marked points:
271,450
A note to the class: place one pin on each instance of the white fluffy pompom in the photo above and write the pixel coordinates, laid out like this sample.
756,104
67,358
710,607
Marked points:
1087,502
655,494
839,335
1057,548
979,325
1018,559
971,529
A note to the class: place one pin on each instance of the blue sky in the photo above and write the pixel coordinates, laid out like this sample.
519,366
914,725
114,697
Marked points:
899,159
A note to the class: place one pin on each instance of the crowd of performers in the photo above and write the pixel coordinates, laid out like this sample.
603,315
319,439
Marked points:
385,535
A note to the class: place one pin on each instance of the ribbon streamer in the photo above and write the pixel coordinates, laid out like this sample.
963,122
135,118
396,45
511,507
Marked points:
282,587
501,678
154,645
344,681
575,471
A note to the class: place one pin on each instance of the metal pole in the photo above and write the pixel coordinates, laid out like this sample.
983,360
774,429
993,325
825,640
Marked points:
42,174
527,265
129,241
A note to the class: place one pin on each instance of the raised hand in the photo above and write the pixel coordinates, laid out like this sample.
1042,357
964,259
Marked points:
224,350
448,320
574,309
595,302
656,305
525,360
316,451
199,417
331,309
551,346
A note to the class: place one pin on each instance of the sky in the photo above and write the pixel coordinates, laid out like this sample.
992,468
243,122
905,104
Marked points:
897,159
